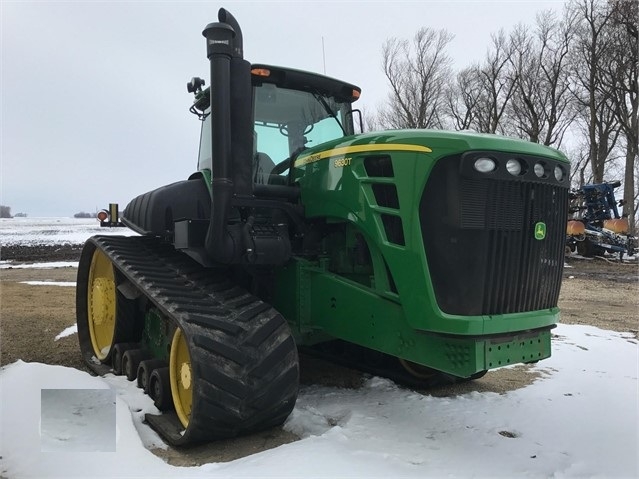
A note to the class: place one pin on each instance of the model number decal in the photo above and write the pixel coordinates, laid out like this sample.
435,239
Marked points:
342,162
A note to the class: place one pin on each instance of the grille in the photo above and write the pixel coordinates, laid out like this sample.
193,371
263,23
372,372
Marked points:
385,196
479,237
379,166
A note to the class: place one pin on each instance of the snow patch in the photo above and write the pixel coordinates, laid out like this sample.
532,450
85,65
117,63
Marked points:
587,393
53,231
77,420
49,283
51,265
67,332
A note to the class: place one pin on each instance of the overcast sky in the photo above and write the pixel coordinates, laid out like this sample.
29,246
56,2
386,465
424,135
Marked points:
94,103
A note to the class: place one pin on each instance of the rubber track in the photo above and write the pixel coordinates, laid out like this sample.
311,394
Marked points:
243,357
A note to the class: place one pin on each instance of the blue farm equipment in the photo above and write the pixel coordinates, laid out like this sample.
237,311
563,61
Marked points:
596,228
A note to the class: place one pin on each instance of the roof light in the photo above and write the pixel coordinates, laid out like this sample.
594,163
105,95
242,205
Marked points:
261,72
103,215
356,94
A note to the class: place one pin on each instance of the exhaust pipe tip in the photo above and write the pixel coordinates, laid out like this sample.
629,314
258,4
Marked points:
224,16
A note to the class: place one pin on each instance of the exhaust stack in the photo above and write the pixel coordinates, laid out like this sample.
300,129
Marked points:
232,140
221,244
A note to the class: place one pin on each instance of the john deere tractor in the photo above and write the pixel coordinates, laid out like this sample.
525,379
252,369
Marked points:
414,254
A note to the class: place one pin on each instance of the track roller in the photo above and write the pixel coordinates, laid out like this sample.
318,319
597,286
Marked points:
160,389
145,369
131,362
118,352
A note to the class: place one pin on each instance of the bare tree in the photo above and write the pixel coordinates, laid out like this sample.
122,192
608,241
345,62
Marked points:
368,120
417,73
496,88
462,98
595,109
619,78
580,165
479,96
540,105
636,198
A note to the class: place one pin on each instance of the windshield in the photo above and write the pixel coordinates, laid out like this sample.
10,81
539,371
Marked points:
289,121
285,123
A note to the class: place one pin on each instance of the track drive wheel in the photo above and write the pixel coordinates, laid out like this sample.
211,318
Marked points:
104,316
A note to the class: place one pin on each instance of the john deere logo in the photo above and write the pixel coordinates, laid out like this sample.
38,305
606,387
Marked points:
540,230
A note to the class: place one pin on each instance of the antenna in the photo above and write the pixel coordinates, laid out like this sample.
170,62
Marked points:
324,55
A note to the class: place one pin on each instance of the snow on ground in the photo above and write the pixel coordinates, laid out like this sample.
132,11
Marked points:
51,231
67,332
49,283
579,420
50,265
81,420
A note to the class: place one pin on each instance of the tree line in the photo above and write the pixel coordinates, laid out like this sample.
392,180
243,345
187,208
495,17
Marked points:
571,75
5,212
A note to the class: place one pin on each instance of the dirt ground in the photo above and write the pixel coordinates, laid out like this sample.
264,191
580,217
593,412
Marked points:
594,292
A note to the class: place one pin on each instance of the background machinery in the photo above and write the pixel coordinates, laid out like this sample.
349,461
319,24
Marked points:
595,227
415,254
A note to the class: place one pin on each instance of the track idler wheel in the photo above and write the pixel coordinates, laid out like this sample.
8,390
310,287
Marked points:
160,389
131,362
181,377
145,369
104,316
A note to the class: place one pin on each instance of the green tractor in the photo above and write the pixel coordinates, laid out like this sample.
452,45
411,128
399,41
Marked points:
417,254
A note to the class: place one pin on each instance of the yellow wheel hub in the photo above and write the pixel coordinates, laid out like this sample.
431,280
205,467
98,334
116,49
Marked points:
101,304
180,375
185,376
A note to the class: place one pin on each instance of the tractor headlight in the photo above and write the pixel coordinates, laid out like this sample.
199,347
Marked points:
539,170
485,165
513,167
559,173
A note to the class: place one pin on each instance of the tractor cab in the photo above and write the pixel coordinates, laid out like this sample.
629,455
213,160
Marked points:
292,111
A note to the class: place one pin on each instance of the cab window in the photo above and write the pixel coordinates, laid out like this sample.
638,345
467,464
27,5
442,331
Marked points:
289,121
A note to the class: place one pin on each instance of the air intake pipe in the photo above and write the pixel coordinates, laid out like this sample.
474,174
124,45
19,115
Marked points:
223,244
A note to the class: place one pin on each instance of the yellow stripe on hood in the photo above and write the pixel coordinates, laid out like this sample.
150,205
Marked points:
346,150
